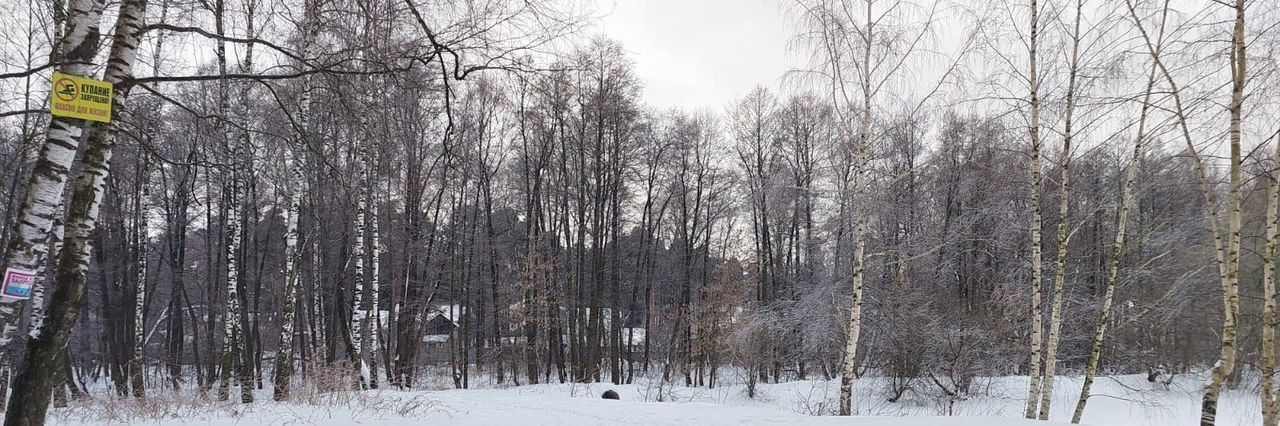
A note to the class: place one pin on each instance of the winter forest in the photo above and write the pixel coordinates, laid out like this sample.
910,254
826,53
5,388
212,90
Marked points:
400,211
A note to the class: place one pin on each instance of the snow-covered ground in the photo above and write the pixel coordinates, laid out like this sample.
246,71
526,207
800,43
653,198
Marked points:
1124,400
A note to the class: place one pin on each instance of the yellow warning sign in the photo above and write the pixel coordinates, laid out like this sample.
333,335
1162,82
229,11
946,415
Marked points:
83,98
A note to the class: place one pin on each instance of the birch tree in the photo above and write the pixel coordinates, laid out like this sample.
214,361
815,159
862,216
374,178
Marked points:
1270,405
1126,202
859,48
1226,248
234,351
374,321
1037,223
359,311
138,364
1230,285
293,256
293,261
839,48
27,246
33,386
1064,203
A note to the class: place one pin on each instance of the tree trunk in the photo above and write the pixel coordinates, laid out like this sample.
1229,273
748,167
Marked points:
138,363
375,320
359,312
1270,407
26,248
34,384
1064,238
1037,273
849,371
861,173
293,266
1230,260
1117,250
233,347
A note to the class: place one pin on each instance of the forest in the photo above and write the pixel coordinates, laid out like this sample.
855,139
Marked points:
406,194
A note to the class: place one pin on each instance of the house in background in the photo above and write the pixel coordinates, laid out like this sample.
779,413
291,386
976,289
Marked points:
442,321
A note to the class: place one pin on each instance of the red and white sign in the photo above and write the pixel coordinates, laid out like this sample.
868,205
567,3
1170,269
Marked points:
18,283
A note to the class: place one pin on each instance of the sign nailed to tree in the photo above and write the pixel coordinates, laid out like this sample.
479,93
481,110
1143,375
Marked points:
17,283
83,98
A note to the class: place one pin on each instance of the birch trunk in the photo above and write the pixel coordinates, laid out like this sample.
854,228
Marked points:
36,313
43,281
319,338
1231,259
33,387
849,369
1270,409
293,253
1037,272
242,177
55,237
140,295
232,333
861,166
233,338
375,321
1226,255
27,246
358,309
293,263
1064,204
1117,250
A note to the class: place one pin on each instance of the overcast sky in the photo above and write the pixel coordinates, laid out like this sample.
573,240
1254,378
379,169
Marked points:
701,53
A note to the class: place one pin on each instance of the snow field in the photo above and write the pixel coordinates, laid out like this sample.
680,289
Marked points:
1120,400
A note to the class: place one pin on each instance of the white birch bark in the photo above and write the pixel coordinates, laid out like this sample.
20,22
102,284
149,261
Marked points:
358,309
1230,285
139,304
317,298
242,176
293,256
376,320
1270,409
1064,238
232,332
861,173
292,271
27,247
40,288
1226,254
1037,271
33,386
849,369
1117,250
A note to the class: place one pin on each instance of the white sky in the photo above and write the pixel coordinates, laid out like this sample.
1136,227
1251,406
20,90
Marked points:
694,54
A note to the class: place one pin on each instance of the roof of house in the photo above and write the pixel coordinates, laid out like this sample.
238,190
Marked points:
449,312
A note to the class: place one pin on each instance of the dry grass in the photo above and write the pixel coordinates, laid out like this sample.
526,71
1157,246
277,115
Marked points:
326,396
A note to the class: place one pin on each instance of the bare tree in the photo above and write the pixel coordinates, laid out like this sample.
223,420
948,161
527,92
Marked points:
1227,249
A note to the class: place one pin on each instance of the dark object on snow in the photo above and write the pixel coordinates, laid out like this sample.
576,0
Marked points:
610,394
